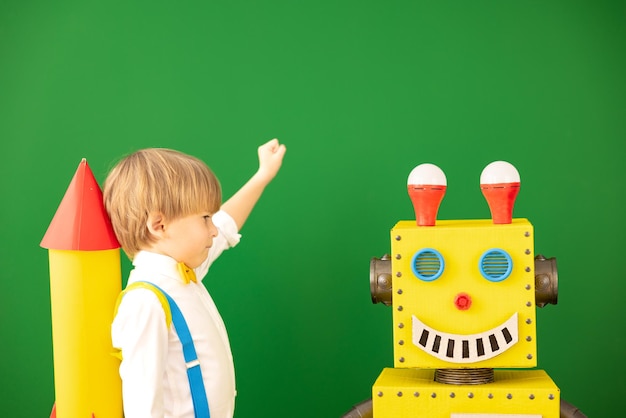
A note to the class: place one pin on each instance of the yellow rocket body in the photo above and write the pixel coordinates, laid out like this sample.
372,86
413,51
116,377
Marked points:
83,287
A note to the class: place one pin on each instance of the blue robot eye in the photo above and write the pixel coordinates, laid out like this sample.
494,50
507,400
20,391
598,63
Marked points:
427,264
495,265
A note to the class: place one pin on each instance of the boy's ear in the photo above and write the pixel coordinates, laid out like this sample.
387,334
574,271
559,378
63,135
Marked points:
156,223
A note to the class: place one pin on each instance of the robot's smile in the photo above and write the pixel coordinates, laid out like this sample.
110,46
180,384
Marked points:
459,348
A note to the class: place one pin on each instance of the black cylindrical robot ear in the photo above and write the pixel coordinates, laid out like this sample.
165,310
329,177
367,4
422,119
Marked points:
546,281
380,280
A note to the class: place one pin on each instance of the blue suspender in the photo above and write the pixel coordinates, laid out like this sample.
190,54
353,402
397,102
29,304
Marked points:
198,393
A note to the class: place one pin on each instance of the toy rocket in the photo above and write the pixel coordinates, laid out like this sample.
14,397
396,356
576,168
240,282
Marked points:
85,280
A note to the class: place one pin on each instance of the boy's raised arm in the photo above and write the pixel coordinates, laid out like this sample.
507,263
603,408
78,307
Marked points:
243,201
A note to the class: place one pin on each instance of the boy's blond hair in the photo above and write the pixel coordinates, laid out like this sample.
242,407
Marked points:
156,180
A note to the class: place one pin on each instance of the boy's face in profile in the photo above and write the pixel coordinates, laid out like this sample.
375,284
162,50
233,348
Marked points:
186,239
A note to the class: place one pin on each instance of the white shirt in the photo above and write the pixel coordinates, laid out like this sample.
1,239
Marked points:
153,370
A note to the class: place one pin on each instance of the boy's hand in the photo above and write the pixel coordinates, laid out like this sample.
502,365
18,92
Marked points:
270,159
242,202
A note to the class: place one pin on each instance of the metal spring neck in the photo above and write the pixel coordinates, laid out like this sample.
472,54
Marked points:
464,376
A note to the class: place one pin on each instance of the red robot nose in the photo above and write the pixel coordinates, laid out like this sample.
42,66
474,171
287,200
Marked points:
463,301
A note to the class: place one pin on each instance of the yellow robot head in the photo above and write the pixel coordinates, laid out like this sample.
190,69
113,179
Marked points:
463,291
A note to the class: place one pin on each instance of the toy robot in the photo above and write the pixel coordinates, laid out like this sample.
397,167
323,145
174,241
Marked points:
463,294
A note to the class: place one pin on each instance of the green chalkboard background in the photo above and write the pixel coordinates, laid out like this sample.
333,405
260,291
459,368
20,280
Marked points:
361,92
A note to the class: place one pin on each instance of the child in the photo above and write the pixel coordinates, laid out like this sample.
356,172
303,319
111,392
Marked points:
166,211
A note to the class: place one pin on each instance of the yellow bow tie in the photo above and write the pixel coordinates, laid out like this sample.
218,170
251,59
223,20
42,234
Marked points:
186,273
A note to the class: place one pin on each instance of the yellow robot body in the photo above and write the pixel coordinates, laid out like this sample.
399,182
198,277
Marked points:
413,393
